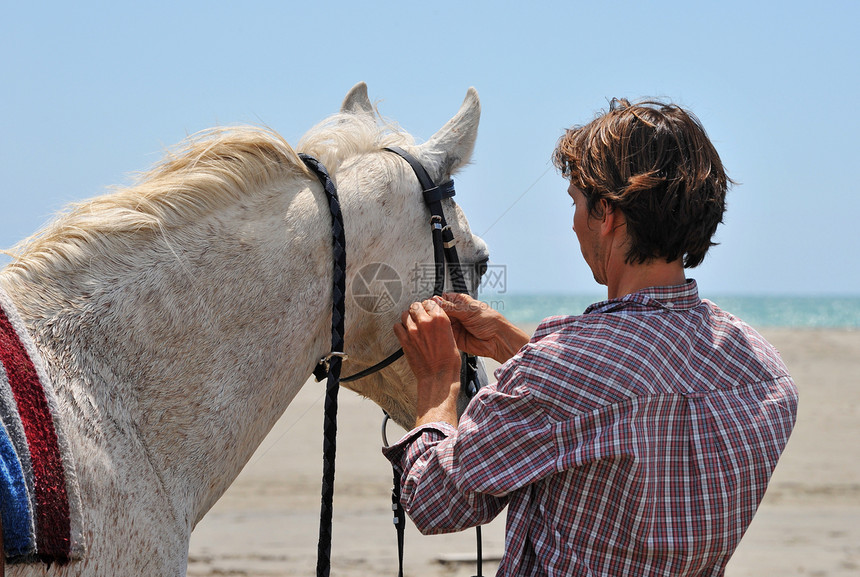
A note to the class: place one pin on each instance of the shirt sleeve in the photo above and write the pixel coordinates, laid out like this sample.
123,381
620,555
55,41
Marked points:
456,478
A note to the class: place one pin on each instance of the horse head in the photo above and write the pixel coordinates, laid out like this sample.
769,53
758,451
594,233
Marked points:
389,249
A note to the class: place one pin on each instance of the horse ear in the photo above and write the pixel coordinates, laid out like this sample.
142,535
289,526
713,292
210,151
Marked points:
356,101
451,147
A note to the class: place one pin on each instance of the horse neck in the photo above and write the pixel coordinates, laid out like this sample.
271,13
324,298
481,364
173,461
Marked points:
199,340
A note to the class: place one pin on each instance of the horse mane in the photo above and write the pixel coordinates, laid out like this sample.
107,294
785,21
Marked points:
207,171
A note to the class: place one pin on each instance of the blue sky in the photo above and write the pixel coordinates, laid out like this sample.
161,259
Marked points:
92,92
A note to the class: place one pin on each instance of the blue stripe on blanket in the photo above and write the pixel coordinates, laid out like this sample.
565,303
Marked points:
18,536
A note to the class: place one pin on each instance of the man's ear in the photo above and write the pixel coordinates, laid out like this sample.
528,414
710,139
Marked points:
608,217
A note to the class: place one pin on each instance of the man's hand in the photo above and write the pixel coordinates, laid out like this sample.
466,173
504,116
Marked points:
428,343
480,330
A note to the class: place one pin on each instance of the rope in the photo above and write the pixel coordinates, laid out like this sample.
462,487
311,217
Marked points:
335,361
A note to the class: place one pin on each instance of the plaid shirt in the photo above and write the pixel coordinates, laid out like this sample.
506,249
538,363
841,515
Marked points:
635,439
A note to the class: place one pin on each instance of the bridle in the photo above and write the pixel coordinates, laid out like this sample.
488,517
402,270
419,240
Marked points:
446,261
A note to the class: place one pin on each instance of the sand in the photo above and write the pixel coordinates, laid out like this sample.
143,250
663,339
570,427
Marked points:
267,522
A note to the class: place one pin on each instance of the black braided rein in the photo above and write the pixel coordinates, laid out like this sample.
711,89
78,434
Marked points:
334,364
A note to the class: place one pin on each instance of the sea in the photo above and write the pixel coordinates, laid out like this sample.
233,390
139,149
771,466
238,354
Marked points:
825,312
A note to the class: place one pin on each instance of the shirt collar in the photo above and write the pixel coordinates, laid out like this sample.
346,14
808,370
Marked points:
678,298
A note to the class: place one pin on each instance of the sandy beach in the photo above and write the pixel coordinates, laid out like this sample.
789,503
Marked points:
267,522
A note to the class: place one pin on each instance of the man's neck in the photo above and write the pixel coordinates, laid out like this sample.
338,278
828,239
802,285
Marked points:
630,278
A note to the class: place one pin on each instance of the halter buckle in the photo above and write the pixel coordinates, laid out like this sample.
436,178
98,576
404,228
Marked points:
452,241
324,364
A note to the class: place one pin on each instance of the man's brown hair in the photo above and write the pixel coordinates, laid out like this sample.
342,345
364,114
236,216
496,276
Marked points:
655,163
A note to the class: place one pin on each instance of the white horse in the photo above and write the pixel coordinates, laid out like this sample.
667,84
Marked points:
179,317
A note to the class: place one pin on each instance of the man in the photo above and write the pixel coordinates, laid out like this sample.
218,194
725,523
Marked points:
635,439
